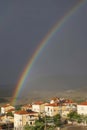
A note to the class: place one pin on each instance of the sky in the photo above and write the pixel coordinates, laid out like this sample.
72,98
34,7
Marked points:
24,23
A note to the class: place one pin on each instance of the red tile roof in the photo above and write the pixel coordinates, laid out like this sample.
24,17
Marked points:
53,104
32,113
6,105
13,109
21,112
83,103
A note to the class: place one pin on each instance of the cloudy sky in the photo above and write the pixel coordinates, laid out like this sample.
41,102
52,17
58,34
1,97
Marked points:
24,23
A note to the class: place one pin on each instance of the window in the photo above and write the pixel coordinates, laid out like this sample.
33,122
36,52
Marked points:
30,123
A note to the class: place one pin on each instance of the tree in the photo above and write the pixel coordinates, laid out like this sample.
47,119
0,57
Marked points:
18,107
39,124
27,127
57,120
74,116
10,114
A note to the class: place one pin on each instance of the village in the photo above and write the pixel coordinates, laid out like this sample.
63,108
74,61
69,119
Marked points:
48,115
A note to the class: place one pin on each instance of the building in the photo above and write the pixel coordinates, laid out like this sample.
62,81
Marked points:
22,117
54,100
32,117
82,108
27,107
38,107
51,109
6,108
67,106
2,117
11,111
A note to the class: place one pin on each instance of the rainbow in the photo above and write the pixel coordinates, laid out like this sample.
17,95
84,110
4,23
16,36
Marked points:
23,78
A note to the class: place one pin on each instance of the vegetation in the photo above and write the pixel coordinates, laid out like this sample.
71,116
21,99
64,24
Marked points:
39,125
57,120
74,116
10,114
27,127
18,107
49,122
52,122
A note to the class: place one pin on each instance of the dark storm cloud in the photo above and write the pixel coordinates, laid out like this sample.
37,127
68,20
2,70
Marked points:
23,24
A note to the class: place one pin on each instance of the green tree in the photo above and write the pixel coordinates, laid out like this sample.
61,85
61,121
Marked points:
27,127
85,118
57,120
74,116
39,125
10,114
18,107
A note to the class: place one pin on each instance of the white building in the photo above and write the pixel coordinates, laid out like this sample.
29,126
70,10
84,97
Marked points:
38,107
32,117
70,105
22,117
54,100
82,108
51,109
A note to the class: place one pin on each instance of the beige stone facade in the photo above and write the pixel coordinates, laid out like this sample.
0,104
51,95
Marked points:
38,107
22,117
51,109
6,108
